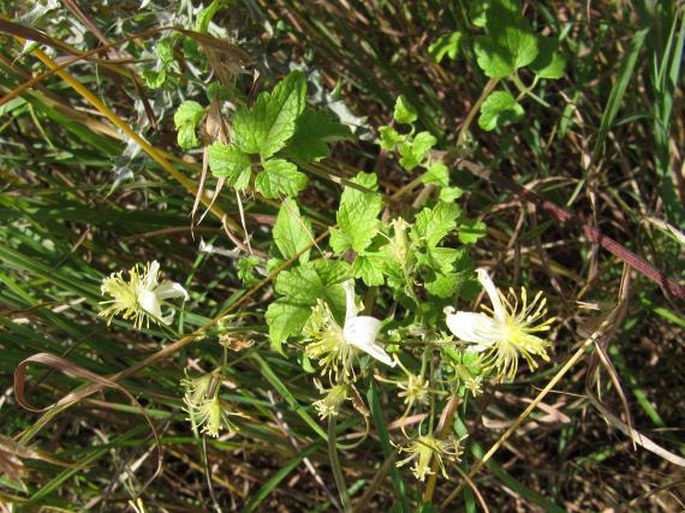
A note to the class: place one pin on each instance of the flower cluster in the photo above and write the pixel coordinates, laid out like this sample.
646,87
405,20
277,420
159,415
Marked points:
495,340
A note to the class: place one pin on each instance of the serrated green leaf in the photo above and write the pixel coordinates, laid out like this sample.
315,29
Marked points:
154,79
477,12
285,320
186,137
390,138
165,50
472,230
266,127
292,233
549,63
188,112
432,225
442,285
280,178
228,161
404,112
413,153
357,215
438,174
510,43
245,270
449,194
447,44
369,267
499,109
301,285
441,259
314,131
300,289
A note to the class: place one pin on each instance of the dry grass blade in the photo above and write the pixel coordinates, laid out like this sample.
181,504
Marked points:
97,383
593,375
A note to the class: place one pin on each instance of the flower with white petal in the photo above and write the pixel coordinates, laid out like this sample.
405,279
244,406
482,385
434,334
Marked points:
507,330
361,331
334,346
140,298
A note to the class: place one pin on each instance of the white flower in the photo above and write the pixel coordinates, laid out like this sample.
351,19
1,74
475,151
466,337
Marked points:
361,331
335,347
140,298
507,332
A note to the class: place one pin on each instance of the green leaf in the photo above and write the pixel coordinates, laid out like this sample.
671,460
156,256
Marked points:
228,161
300,289
449,194
432,225
188,112
165,50
292,233
280,178
443,285
245,269
154,79
549,63
390,138
499,109
333,271
441,259
414,152
477,12
438,174
368,267
284,320
313,132
186,118
447,44
266,127
472,230
404,113
357,215
510,43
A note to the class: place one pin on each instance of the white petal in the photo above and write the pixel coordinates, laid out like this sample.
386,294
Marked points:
170,289
167,319
491,290
477,328
149,302
350,306
361,332
150,279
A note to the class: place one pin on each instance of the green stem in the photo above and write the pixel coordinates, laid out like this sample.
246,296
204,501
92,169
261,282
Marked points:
489,87
527,91
335,466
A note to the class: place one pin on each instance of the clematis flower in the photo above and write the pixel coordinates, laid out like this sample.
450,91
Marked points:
415,388
361,331
507,330
333,399
140,298
424,448
334,346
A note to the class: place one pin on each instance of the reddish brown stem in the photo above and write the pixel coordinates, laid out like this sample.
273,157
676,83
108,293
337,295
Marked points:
594,234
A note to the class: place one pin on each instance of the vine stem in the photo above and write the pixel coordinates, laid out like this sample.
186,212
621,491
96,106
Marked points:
492,83
594,234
